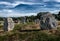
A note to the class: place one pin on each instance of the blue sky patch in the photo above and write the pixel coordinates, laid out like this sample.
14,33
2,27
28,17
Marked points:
17,8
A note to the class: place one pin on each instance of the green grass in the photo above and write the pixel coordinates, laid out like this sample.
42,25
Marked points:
30,36
19,26
15,35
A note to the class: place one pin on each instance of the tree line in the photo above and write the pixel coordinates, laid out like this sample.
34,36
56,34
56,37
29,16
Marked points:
32,17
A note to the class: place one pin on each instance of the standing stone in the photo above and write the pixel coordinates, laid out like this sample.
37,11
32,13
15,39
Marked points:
48,21
27,20
19,21
37,21
24,20
8,24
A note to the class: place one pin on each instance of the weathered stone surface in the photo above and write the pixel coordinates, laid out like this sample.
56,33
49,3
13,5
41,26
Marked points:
48,21
37,21
24,20
8,24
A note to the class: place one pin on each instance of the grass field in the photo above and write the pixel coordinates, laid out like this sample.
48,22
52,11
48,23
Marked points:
16,35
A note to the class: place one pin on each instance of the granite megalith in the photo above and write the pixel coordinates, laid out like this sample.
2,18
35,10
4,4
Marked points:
48,21
8,24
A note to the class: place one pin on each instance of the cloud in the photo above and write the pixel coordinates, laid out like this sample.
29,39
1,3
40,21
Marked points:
57,0
57,5
8,4
22,2
45,0
55,11
6,10
19,14
16,14
51,0
17,8
12,13
15,3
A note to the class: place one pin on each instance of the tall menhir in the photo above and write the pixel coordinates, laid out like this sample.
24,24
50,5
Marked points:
8,24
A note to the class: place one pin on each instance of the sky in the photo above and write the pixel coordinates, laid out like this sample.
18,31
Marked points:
17,8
